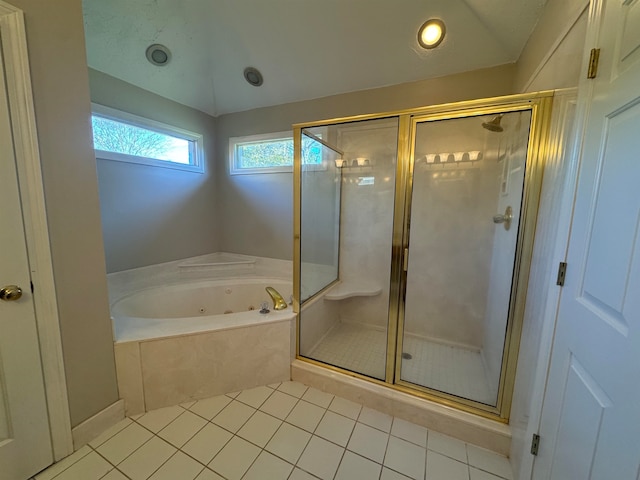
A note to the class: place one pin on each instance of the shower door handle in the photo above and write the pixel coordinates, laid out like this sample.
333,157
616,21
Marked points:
505,218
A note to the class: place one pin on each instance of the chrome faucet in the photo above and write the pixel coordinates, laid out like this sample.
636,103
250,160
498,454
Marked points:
278,302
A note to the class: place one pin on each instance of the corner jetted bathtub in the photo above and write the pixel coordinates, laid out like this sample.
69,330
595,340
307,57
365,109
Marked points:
197,306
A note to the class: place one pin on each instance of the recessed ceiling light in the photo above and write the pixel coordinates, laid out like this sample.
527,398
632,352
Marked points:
253,76
158,55
431,33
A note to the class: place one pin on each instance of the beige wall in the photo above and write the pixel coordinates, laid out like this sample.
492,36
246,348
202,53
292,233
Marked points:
256,210
153,215
61,96
552,56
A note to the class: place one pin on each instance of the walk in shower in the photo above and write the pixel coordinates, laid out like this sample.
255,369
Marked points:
413,238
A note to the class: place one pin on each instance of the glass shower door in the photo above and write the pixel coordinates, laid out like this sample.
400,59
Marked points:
465,203
345,244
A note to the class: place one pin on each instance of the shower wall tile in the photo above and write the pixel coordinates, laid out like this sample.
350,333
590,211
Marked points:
450,251
178,369
366,225
316,319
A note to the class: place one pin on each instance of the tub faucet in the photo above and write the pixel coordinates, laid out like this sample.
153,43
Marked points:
278,301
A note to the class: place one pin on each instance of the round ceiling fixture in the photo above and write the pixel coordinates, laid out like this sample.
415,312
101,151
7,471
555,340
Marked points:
253,76
158,55
431,33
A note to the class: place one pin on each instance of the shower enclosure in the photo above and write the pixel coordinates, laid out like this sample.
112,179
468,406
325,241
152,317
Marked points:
413,237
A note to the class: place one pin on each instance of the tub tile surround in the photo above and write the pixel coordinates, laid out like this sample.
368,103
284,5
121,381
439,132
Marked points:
170,371
225,438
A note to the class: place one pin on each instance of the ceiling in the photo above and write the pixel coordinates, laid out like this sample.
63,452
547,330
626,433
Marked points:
304,48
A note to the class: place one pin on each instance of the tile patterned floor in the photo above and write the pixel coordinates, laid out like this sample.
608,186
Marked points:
362,349
282,431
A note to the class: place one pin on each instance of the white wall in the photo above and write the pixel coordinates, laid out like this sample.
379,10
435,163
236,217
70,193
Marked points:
153,215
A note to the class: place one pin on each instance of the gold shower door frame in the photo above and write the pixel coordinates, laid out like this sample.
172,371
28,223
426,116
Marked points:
539,104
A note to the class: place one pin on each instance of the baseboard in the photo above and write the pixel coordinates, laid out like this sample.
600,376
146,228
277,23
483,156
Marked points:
86,431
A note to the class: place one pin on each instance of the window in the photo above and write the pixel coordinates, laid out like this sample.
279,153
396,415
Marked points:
128,138
270,153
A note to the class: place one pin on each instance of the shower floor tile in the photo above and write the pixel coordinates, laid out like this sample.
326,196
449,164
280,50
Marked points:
355,347
446,368
340,447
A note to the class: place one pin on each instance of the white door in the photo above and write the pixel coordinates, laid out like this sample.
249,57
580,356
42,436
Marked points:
590,426
25,444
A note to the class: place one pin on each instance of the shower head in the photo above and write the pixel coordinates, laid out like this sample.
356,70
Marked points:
493,125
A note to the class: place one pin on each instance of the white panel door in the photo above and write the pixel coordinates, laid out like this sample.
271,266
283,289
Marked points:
590,426
25,444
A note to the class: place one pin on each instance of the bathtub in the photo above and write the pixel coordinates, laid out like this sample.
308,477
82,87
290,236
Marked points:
193,307
193,339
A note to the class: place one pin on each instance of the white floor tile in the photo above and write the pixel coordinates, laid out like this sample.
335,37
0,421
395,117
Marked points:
180,466
388,474
254,397
63,464
335,428
291,449
298,474
207,474
345,407
482,475
259,428
156,420
110,432
321,458
376,419
406,458
182,429
295,389
449,446
89,467
188,404
306,416
206,444
274,385
234,459
123,443
489,462
410,432
368,442
233,416
210,407
355,467
147,459
232,394
279,405
317,397
288,442
114,475
270,467
440,467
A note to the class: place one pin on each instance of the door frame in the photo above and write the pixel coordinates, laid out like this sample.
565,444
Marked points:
23,129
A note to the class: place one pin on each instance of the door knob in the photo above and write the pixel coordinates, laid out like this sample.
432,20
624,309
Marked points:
10,292
505,218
